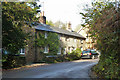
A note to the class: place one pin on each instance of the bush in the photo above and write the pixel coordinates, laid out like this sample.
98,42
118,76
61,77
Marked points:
76,54
13,61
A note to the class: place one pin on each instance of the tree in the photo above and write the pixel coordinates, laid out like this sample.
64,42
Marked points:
49,23
56,24
103,21
60,24
14,16
78,27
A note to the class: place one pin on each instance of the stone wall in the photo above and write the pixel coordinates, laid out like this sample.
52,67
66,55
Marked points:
30,47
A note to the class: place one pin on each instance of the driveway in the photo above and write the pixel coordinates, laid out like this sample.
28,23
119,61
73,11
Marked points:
74,69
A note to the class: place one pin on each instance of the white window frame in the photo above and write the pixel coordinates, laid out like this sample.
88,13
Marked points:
65,50
59,36
68,39
75,40
70,49
46,35
22,51
81,41
46,49
59,51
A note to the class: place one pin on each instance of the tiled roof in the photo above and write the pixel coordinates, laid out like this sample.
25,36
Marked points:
45,27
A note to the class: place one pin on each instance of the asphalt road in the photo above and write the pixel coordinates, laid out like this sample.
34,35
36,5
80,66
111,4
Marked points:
74,69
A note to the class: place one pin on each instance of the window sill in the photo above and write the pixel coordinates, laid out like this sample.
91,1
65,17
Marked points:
22,53
58,53
45,52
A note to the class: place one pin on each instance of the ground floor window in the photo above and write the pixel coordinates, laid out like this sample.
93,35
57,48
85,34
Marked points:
65,51
81,48
59,50
22,51
71,49
46,49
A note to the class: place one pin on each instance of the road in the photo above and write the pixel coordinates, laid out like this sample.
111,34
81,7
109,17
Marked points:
73,69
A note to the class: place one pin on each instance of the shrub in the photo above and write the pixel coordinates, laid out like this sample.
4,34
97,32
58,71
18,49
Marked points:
76,54
13,61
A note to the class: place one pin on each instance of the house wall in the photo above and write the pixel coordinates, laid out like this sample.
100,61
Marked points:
39,50
88,42
71,43
30,48
33,54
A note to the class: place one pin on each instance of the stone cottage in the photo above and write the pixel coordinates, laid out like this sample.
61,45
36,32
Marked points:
69,38
89,42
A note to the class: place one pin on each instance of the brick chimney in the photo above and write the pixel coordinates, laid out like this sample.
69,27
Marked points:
42,18
69,26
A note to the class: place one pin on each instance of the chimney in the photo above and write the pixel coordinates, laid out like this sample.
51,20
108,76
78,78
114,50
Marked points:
42,18
69,26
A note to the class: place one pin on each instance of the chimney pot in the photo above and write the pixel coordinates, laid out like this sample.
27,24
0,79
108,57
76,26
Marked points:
69,26
42,18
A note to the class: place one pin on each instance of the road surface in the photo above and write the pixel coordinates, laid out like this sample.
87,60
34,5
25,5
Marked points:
74,69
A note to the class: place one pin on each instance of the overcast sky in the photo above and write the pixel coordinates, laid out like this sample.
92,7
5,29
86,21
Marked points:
64,10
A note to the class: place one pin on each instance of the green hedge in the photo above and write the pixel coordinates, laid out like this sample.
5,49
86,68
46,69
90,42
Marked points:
13,61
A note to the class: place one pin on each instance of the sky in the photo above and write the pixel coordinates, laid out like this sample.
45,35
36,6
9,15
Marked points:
64,10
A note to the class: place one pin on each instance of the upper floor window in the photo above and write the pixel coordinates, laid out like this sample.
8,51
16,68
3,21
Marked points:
22,51
46,35
75,40
87,35
67,39
81,41
59,36
46,49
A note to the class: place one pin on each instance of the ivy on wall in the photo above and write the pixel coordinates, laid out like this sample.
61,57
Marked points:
52,41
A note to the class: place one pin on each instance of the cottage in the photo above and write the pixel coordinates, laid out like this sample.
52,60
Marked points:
69,40
89,42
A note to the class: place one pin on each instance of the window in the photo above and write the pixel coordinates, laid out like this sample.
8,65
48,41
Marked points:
74,48
59,51
66,39
45,35
71,50
59,36
65,51
75,40
22,51
87,35
46,49
81,41
81,48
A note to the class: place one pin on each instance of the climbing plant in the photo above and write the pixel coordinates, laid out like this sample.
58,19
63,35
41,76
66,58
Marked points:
52,41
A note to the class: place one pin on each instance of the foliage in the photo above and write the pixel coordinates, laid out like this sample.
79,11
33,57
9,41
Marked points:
57,24
50,23
13,17
103,22
51,41
13,61
76,54
60,24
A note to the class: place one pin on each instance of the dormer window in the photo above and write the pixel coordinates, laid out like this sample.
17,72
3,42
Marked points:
46,35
